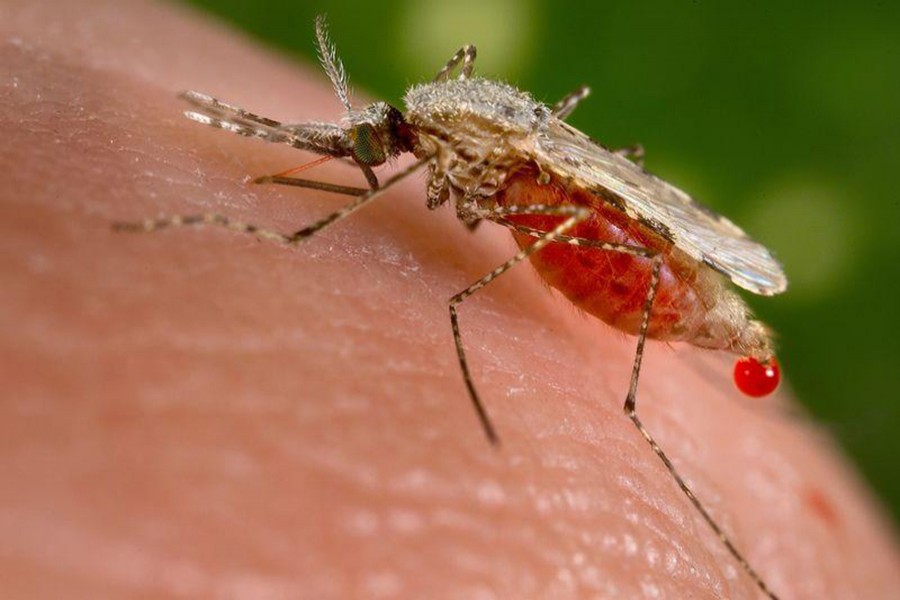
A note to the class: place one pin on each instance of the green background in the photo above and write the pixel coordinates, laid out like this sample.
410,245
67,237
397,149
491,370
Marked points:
786,119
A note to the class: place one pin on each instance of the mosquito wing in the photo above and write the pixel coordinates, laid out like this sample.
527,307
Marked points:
696,230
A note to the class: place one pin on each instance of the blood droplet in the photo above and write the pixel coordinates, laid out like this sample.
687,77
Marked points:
756,379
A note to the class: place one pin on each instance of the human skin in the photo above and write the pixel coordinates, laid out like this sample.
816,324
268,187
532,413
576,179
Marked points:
196,413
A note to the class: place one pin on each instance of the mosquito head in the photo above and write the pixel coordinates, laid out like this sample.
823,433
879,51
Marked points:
377,133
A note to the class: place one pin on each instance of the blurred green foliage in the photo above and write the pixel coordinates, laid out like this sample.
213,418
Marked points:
785,117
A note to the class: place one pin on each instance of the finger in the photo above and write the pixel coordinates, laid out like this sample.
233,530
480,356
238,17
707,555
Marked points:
198,411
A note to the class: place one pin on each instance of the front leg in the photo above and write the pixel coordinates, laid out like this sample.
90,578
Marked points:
214,219
438,189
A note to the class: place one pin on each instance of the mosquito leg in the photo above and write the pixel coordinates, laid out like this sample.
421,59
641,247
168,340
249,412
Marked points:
468,65
438,190
633,153
575,215
284,178
358,203
563,108
150,225
576,241
630,409
323,186
370,176
315,185
630,402
466,56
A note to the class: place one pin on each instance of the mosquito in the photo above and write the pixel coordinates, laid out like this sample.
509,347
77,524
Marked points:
620,243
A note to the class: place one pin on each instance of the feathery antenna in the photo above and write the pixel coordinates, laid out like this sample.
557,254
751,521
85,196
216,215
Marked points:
331,63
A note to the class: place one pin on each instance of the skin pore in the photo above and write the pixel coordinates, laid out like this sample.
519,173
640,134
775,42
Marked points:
197,413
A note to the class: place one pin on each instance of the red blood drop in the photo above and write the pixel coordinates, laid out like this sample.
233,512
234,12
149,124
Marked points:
756,379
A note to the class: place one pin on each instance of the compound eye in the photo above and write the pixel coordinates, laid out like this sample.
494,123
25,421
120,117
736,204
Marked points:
367,147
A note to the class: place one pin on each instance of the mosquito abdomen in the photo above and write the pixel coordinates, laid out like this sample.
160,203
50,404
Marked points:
692,304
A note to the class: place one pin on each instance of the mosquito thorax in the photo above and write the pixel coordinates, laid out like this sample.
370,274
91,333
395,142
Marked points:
474,130
377,133
492,106
469,125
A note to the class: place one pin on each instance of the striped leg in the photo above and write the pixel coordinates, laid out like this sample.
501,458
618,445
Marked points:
562,109
630,409
630,406
575,214
466,56
575,241
267,234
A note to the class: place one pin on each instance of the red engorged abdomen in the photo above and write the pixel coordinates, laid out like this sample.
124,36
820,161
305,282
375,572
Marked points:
608,284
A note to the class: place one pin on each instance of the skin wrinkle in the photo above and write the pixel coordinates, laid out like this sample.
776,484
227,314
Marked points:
231,468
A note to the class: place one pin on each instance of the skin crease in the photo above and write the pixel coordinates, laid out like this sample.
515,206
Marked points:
197,414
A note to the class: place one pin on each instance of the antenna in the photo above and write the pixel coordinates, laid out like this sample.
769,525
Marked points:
331,63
